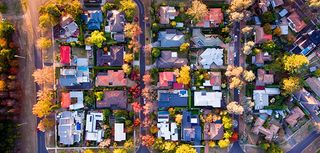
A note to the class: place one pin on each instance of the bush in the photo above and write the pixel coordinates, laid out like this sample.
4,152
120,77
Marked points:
99,95
268,17
155,52
3,7
89,101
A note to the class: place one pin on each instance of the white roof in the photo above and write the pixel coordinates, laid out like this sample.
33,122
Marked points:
79,96
179,24
70,28
272,91
82,62
174,132
93,134
210,56
88,47
164,130
68,72
119,134
260,98
203,98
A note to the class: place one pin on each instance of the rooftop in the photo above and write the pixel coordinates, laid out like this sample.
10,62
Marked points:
295,22
201,40
204,98
172,98
119,132
260,36
213,17
167,13
116,21
72,100
111,78
211,56
94,131
171,38
213,131
169,59
294,116
112,57
114,99
65,52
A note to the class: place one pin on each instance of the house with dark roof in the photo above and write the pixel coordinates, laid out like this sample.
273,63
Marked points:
93,19
112,57
264,78
268,132
66,28
214,81
175,98
213,131
205,40
260,58
170,38
114,99
294,116
116,22
314,84
213,18
169,59
295,22
190,128
307,42
111,78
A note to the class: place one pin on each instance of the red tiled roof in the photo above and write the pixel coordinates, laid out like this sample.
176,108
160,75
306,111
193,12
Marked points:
65,100
111,78
165,78
214,15
259,87
261,36
299,24
177,86
65,54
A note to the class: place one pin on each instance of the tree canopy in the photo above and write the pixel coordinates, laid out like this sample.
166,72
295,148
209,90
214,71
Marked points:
6,29
295,63
197,10
96,38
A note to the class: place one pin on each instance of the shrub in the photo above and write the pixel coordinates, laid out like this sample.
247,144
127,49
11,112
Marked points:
155,52
99,95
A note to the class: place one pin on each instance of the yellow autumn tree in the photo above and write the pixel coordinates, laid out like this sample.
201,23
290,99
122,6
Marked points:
120,150
168,146
212,144
227,134
185,148
197,10
235,108
2,85
128,7
134,45
88,151
178,118
45,124
227,122
249,75
126,69
42,108
44,43
314,3
240,5
184,47
132,30
44,75
235,83
45,94
128,57
224,143
96,38
184,75
291,84
129,145
294,63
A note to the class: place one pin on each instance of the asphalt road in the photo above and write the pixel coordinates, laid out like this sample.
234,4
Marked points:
236,31
142,149
307,141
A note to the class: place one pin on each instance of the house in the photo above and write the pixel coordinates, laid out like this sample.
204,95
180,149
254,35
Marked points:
93,19
309,103
314,84
294,116
307,43
261,97
168,80
175,98
163,116
94,130
263,78
260,36
111,78
205,98
170,59
119,132
295,22
201,40
116,22
65,53
284,26
214,81
283,13
72,100
112,57
260,58
213,131
258,128
114,99
213,18
210,57
190,128
263,5
276,3
168,131
70,127
171,38
67,28
167,13
71,77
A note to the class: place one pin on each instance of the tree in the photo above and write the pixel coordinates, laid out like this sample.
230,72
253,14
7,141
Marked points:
49,15
247,49
277,31
105,143
136,107
147,108
120,150
6,54
129,145
147,140
128,57
212,144
154,129
147,79
227,134
184,75
224,143
3,85
197,10
44,76
314,3
185,148
268,17
240,5
274,149
42,108
295,63
89,100
126,68
132,30
235,108
73,8
45,94
3,7
99,95
155,52
234,71
184,47
249,75
168,147
96,38
291,84
246,30
317,73
235,83
88,151
173,23
108,6
6,29
45,124
128,7
227,122
134,45
44,43
269,46
45,21
267,28
178,118
236,16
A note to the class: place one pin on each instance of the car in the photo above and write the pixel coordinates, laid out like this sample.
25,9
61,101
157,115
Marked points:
135,19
